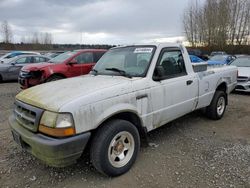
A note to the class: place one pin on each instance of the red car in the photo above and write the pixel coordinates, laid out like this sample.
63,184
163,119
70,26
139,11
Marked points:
66,65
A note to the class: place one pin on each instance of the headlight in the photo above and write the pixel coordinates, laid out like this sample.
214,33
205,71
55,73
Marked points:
57,124
49,119
64,120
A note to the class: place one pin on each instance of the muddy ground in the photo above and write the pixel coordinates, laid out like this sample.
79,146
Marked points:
190,152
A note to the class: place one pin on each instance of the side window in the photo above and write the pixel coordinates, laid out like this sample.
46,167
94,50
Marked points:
37,59
22,60
42,59
85,58
98,55
46,59
170,63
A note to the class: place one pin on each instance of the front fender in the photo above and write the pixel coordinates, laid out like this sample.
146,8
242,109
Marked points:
90,116
114,110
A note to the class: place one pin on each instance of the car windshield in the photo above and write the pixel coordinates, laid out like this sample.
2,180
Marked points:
242,62
62,57
218,58
217,53
132,61
11,55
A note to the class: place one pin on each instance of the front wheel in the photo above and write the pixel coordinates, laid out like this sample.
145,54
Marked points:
217,107
115,147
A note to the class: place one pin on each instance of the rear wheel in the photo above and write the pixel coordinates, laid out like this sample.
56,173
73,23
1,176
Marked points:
217,107
54,78
115,147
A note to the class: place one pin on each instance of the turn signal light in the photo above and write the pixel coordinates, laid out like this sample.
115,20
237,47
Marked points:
57,132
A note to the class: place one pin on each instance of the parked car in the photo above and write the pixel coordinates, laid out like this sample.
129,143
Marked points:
54,54
218,53
130,91
195,59
199,53
243,64
11,68
220,59
13,54
240,55
66,65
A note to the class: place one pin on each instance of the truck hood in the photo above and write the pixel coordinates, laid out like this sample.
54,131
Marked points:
244,71
36,66
53,95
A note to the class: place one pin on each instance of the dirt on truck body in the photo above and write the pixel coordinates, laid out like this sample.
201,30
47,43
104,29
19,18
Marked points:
191,151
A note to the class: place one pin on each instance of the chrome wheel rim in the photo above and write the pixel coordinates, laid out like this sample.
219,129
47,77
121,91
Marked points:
121,149
221,106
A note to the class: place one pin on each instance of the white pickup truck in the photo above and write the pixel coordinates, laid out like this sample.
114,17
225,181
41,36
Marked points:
130,91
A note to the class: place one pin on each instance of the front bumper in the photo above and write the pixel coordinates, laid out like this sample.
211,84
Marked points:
245,87
57,152
23,82
29,79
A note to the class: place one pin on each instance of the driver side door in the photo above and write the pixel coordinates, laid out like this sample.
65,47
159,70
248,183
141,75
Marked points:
176,92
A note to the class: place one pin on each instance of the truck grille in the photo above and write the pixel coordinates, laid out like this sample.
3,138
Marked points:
242,79
28,116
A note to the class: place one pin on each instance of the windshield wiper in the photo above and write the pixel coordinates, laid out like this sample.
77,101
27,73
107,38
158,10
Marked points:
121,72
95,71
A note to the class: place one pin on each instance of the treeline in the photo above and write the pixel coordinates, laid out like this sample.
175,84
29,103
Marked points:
217,23
56,47
229,49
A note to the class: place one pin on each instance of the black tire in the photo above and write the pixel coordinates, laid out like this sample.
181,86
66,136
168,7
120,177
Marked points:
1,79
101,146
54,78
212,110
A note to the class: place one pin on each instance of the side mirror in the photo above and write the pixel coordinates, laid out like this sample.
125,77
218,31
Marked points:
72,62
158,73
13,64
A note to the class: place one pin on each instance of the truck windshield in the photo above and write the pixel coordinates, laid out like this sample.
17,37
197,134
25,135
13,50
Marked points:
132,61
62,57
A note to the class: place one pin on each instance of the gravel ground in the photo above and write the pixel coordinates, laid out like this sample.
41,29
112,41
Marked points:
190,152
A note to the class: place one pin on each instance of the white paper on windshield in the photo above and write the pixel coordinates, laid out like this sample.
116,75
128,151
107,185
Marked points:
143,50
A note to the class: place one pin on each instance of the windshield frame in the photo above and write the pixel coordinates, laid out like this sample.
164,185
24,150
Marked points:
144,74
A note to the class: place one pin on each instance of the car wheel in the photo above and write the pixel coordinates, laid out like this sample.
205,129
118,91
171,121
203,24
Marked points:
115,147
54,78
217,107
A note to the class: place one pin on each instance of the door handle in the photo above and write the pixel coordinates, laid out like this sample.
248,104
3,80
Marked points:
141,96
189,82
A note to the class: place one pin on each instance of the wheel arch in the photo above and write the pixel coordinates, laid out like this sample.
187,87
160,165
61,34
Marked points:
223,87
130,116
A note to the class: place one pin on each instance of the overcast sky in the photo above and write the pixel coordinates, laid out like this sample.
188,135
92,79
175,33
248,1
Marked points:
96,21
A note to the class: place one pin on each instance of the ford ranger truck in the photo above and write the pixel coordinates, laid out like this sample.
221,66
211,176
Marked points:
66,65
130,91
